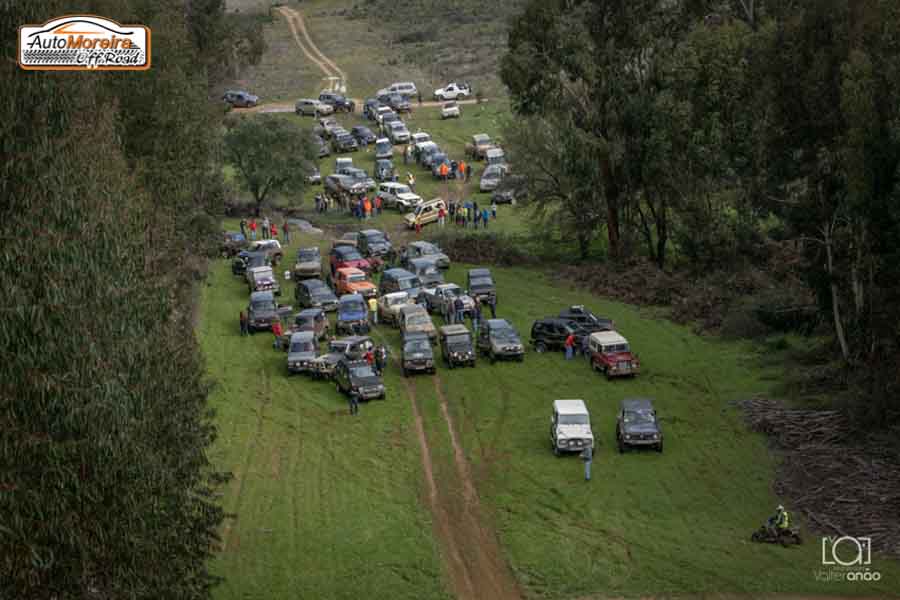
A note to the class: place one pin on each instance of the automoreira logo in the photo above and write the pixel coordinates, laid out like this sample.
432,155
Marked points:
84,43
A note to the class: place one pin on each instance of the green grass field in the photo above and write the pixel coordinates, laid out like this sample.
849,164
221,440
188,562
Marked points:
326,505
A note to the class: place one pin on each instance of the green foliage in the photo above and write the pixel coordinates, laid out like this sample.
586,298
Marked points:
271,156
106,487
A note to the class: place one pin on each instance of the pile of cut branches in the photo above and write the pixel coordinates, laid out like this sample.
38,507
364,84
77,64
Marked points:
845,482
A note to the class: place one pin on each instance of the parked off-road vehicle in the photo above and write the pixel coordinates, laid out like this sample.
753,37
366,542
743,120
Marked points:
481,286
384,148
353,281
400,280
550,333
427,271
479,145
262,279
262,311
570,427
313,293
415,318
398,195
586,319
352,315
498,339
302,351
358,378
611,355
240,99
453,91
337,101
314,320
423,249
272,248
373,242
417,354
353,347
247,260
390,305
637,425
232,243
308,264
456,346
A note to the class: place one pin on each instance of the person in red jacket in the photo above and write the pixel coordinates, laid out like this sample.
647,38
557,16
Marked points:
570,346
274,231
277,331
253,229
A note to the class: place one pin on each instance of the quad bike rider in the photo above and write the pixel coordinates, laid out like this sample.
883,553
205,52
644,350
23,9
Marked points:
778,530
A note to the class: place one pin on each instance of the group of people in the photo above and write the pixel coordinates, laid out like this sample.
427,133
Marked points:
468,214
459,170
456,314
267,229
376,357
364,208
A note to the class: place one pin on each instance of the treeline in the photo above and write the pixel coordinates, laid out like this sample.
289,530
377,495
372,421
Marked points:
712,135
109,186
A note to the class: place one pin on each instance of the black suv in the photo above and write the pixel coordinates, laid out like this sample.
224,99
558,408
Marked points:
339,102
358,378
637,425
399,103
550,333
344,143
417,353
585,319
481,285
363,134
313,293
370,107
372,242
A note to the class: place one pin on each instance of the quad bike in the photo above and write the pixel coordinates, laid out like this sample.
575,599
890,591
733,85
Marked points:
772,535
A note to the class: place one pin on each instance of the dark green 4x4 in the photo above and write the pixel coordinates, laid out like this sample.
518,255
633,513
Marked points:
417,353
358,378
456,346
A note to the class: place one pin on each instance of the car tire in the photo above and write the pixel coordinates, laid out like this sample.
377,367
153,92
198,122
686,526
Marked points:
621,446
493,357
521,358
540,347
659,447
405,373
458,97
556,451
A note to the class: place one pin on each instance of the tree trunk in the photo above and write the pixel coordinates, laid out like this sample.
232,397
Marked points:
835,306
662,233
611,190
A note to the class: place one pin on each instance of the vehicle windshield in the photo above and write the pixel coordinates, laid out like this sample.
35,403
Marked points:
382,145
417,346
397,301
350,254
375,237
402,189
304,321
321,292
482,139
353,306
574,420
356,278
362,371
428,249
482,282
429,270
308,255
489,175
639,417
408,283
262,305
302,347
613,348
452,291
504,334
459,342
338,346
418,319
450,105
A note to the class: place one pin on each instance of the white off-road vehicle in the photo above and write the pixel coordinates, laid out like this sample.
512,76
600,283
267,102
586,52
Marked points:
453,91
570,427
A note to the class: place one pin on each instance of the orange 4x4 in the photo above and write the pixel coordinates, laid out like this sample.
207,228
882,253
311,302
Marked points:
351,280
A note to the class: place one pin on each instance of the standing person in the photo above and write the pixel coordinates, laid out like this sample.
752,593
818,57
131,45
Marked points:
244,228
245,329
378,204
253,229
354,404
441,215
411,181
406,154
274,231
418,228
447,312
460,307
277,331
419,94
587,455
468,173
484,217
476,318
444,170
494,209
373,310
370,357
570,346
285,227
266,227
380,358
462,169
492,302
367,206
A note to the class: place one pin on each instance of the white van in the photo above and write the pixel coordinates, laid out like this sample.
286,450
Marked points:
406,88
570,427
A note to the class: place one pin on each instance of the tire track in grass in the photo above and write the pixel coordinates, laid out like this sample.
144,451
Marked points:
301,25
292,17
240,476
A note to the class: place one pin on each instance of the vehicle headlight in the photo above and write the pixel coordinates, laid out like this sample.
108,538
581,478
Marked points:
429,363
655,436
627,437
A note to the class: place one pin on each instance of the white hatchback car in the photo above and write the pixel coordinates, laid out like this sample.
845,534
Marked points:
450,110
